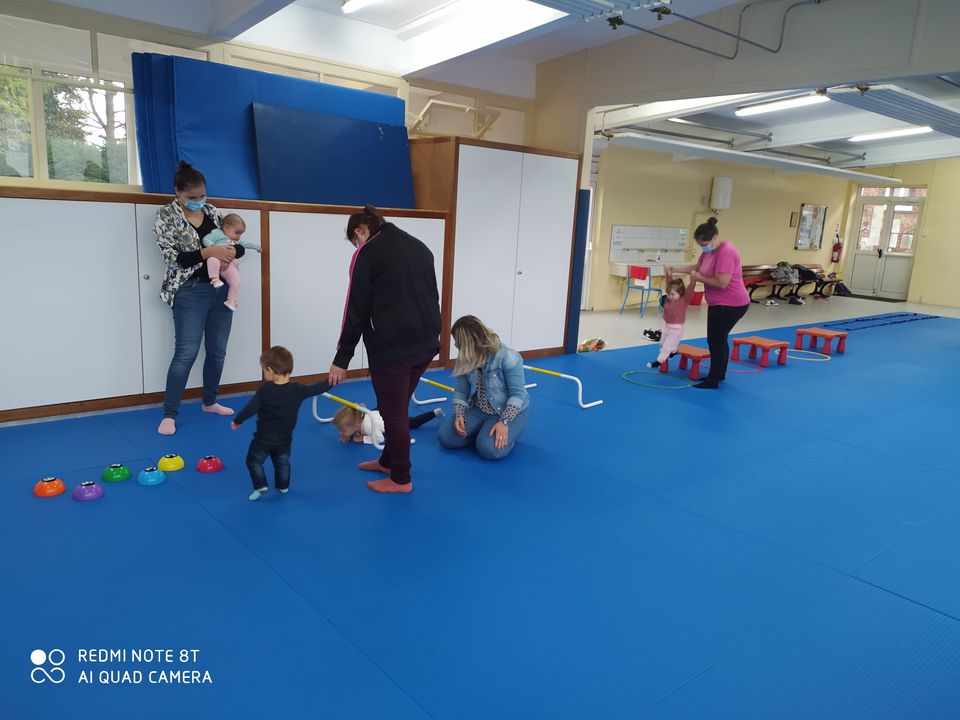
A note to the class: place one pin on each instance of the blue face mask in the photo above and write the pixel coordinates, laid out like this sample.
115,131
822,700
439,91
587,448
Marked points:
707,248
194,205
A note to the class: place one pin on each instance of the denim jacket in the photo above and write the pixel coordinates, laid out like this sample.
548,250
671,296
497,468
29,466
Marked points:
503,381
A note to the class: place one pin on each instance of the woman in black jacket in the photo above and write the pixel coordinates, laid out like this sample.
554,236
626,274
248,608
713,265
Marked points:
394,304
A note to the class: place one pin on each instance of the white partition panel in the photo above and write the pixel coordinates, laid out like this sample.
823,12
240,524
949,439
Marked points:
243,350
309,276
488,212
68,288
547,209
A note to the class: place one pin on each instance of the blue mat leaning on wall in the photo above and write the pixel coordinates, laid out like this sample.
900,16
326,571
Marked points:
202,112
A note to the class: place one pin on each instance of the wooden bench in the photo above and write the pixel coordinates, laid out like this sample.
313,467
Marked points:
824,334
765,345
759,276
821,282
756,277
691,354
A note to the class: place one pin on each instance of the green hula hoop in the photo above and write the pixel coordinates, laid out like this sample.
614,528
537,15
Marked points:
626,377
820,356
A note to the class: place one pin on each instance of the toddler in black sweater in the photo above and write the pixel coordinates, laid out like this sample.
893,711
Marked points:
276,405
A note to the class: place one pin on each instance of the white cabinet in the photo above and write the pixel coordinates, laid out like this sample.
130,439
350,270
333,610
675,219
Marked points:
548,198
157,337
309,277
514,235
83,319
68,288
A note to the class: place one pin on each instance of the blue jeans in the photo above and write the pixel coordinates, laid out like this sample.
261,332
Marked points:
478,425
198,314
279,454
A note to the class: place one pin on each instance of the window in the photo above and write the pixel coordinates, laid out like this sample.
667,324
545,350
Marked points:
16,146
85,129
891,191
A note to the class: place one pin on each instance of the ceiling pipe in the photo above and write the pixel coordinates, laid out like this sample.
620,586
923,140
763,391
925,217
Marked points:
618,20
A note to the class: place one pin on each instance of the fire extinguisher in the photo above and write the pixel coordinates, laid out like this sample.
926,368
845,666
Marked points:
837,249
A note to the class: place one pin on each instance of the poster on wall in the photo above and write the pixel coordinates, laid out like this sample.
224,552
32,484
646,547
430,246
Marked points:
810,231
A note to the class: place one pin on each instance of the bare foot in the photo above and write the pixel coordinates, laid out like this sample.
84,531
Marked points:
168,426
373,465
389,486
218,409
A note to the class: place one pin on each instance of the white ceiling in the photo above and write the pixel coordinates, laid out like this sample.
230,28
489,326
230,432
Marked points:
458,40
817,134
391,14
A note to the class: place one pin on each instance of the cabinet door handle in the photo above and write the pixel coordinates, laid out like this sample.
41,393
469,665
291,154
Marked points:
146,277
519,272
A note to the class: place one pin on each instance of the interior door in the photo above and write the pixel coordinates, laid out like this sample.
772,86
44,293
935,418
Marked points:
485,253
548,199
896,263
883,259
866,257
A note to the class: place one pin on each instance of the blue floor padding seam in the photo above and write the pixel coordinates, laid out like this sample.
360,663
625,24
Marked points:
382,671
851,444
790,551
904,597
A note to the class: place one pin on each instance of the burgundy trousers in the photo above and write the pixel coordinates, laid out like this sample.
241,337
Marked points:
394,384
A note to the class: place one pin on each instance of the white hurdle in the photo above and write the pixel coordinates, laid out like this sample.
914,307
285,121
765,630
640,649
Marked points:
568,377
431,400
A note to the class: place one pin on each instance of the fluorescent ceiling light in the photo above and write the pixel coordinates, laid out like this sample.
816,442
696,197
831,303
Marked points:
680,120
891,134
692,150
794,102
353,5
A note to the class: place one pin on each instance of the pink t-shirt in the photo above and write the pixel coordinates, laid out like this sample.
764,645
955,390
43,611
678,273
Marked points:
725,259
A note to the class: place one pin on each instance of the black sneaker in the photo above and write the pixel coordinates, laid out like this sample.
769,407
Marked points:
655,364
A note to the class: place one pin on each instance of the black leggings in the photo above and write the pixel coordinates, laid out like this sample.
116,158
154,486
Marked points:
720,321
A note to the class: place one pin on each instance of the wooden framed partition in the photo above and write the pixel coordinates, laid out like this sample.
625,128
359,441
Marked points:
92,335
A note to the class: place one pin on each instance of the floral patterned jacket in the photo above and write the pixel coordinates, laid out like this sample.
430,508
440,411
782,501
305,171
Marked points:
176,235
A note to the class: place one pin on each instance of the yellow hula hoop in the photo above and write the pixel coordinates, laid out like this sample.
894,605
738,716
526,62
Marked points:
821,357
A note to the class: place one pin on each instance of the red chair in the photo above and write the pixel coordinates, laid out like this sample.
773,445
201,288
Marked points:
639,279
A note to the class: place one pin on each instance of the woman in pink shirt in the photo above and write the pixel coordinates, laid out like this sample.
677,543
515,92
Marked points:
719,270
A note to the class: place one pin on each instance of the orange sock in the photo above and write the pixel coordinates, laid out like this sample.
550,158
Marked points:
389,486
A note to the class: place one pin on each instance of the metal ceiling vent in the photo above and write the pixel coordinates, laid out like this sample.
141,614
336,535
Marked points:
591,9
895,102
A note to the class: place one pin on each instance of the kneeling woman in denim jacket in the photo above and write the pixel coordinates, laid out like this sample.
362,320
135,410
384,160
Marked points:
490,399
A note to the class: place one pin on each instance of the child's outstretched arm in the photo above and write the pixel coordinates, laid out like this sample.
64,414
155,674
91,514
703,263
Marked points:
249,244
249,410
314,389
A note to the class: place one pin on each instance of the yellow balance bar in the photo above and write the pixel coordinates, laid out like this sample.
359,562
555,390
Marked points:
343,401
436,384
545,372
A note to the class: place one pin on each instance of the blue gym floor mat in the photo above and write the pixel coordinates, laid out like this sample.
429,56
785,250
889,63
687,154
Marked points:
309,671
924,568
619,553
461,510
853,652
597,621
141,567
36,450
918,435
835,504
